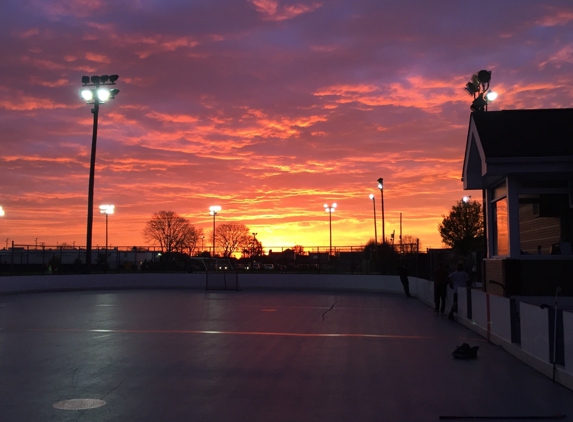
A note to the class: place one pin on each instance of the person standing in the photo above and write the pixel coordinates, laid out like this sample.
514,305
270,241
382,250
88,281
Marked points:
440,288
403,272
458,278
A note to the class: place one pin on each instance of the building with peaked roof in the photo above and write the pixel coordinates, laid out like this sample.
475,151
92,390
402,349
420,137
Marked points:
522,160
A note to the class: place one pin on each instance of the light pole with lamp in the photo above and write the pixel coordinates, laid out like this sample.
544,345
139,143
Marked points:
213,210
95,91
202,244
107,210
372,198
330,209
381,187
2,214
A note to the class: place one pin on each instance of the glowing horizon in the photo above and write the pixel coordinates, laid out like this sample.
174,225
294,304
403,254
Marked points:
267,108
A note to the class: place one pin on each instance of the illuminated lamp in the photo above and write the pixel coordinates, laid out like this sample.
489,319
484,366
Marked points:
87,94
95,80
113,78
103,95
491,96
484,76
85,80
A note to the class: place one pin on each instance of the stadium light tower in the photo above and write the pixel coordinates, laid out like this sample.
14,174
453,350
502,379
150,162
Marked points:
107,210
95,91
373,199
330,209
213,210
381,187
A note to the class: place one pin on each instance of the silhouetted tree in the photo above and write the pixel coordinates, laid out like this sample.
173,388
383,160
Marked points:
254,248
232,237
298,249
462,229
173,232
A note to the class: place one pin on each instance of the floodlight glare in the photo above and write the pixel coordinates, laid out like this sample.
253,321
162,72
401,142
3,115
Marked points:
491,96
85,80
87,94
103,95
107,209
380,183
371,196
214,209
2,213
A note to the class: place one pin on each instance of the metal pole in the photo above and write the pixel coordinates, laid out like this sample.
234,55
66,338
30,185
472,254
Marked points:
214,214
95,112
106,217
383,226
330,229
375,228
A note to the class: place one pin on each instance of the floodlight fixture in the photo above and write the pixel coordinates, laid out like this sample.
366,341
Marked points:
471,88
380,183
371,196
95,80
213,210
479,104
107,209
113,78
87,94
2,213
484,76
113,92
85,80
103,95
466,199
104,78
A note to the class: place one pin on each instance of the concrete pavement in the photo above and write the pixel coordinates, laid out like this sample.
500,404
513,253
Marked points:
178,355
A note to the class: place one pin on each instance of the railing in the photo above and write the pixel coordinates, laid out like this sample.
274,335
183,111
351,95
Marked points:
45,259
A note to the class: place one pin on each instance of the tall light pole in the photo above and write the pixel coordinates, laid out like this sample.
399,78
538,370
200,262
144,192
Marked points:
2,214
213,210
372,198
95,91
107,210
202,244
381,187
330,209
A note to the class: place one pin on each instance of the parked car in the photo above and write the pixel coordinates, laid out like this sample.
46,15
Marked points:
268,267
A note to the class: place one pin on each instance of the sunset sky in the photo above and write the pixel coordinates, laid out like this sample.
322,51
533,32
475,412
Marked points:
268,108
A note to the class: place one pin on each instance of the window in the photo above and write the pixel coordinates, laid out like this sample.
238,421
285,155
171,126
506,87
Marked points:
500,227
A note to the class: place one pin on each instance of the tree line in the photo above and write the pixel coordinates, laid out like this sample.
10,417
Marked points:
174,233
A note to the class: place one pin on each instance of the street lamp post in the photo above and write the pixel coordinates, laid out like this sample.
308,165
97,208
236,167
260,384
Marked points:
330,209
381,187
202,244
95,91
107,210
375,230
213,210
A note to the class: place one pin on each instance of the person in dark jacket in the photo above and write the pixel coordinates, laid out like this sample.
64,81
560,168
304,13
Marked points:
441,281
403,272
